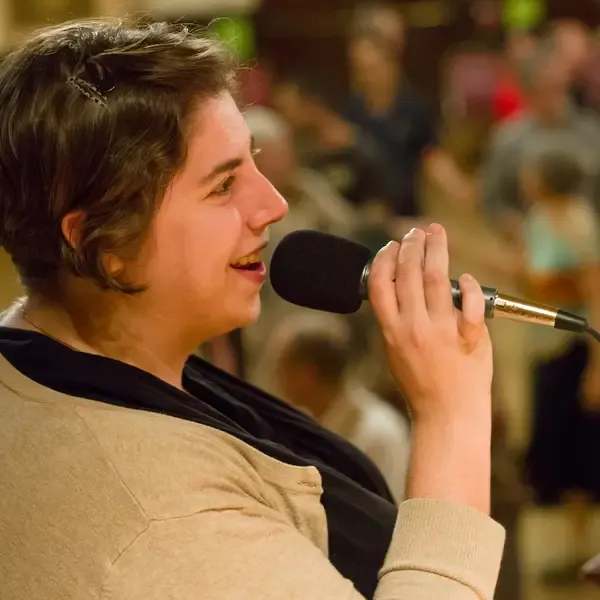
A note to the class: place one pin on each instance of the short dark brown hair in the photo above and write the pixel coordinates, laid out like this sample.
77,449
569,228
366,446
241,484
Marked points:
559,164
326,349
95,117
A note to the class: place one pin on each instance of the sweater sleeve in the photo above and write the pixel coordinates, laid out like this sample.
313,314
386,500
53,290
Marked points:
438,550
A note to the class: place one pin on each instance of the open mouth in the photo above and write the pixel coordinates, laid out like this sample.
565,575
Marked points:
251,262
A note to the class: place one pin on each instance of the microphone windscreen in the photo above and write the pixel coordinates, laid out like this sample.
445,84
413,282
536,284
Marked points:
320,271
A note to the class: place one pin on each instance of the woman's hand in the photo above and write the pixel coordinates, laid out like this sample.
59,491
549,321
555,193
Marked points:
440,357
442,360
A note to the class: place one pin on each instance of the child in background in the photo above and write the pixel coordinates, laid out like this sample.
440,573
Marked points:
562,268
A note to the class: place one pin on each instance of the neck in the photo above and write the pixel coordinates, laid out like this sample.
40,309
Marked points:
380,98
119,330
380,95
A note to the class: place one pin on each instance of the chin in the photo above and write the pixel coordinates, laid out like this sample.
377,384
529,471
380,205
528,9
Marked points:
248,313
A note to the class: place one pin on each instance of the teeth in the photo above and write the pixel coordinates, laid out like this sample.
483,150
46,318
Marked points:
247,260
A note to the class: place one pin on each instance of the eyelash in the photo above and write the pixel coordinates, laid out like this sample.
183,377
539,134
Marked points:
225,186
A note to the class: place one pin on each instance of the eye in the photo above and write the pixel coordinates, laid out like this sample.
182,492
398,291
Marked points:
224,187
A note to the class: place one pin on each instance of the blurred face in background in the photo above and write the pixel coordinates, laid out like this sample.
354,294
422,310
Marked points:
574,44
519,47
277,160
372,64
290,103
390,24
549,94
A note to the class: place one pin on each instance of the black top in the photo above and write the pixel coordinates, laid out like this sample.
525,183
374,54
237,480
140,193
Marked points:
402,134
360,511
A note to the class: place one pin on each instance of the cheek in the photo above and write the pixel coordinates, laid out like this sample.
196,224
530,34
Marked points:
195,247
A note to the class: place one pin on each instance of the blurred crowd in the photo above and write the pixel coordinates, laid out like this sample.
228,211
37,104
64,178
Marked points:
362,166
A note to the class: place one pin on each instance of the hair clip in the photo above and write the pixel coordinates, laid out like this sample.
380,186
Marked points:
97,81
89,90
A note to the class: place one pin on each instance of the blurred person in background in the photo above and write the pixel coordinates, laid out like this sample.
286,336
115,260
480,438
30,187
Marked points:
313,360
326,142
387,20
313,204
509,99
545,81
573,41
562,268
344,154
385,107
133,471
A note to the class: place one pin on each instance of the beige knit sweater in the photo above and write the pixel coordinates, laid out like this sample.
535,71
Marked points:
101,502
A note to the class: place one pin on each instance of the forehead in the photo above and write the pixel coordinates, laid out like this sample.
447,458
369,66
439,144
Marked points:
218,132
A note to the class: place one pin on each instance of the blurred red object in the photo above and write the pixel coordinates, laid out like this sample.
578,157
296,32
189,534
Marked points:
471,83
508,99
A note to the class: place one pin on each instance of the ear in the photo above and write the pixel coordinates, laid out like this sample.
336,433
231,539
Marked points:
72,230
72,227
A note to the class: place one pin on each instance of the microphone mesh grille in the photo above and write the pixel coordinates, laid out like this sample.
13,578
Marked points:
320,271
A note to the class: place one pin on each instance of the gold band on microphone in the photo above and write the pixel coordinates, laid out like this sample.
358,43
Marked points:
530,312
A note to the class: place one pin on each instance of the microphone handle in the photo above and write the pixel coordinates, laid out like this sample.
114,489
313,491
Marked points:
508,307
490,295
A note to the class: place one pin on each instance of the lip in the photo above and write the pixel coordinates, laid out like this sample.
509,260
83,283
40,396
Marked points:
257,250
257,276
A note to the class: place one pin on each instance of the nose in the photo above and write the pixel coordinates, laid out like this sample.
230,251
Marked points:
270,205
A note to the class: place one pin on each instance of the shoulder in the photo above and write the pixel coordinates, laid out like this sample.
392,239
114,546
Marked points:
512,133
194,467
64,505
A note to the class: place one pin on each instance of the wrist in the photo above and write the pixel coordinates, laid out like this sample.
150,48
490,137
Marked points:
471,418
451,461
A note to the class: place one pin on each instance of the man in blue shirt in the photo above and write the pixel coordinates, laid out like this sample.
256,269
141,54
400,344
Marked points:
389,111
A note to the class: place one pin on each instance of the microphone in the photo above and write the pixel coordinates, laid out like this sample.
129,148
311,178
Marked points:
325,272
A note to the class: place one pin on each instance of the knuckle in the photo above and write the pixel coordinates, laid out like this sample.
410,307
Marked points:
404,268
435,278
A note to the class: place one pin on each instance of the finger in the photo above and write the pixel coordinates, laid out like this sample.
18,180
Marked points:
409,275
381,287
471,320
436,280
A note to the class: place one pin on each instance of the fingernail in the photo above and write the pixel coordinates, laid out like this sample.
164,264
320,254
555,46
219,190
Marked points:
434,228
466,278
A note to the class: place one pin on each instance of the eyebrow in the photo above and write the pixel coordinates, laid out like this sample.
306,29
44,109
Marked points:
228,165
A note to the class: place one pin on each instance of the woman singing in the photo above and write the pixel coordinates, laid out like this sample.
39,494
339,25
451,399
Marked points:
132,208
